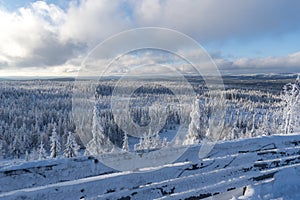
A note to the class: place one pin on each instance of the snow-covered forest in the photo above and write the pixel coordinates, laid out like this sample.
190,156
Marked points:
36,119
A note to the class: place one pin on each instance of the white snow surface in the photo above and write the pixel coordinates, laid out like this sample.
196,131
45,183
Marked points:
284,185
259,168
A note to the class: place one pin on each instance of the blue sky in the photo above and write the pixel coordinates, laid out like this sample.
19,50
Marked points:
13,5
52,37
258,47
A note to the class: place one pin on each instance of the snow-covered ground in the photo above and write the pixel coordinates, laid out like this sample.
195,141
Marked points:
284,185
257,168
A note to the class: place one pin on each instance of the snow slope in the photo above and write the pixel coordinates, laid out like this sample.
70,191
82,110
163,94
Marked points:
255,167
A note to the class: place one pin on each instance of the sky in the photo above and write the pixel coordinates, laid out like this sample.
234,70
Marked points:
52,38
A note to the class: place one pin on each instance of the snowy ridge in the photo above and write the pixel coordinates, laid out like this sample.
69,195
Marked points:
229,167
44,172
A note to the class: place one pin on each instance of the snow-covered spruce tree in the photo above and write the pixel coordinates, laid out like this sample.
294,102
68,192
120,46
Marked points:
248,127
71,147
157,143
215,127
147,141
125,146
151,141
165,142
27,157
265,125
55,144
34,155
234,133
17,147
291,107
42,151
99,144
253,132
143,143
194,131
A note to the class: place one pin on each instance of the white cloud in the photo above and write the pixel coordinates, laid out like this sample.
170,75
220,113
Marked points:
93,21
45,37
274,64
215,20
29,34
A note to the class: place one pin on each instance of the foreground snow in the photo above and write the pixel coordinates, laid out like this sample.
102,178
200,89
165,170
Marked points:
284,185
259,168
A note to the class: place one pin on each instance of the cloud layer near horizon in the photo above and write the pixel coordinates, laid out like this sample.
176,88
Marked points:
47,40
